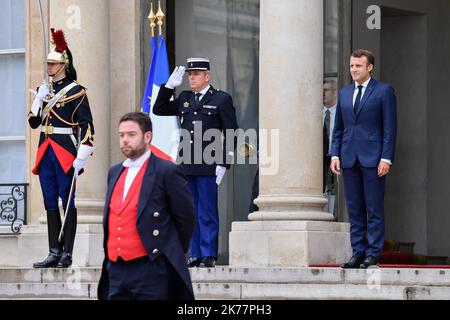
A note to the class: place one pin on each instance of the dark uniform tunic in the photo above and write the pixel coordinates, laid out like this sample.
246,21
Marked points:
214,111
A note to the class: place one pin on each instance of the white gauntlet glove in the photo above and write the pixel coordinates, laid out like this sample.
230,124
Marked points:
78,164
220,172
176,78
83,154
43,91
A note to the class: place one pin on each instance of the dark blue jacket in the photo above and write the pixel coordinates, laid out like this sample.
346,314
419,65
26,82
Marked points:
370,135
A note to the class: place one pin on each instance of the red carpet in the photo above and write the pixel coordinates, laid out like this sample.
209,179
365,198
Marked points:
399,255
392,266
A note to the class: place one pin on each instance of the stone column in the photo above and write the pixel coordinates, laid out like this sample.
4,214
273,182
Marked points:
34,57
291,228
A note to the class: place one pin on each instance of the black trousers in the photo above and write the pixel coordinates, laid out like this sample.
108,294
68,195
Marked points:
141,279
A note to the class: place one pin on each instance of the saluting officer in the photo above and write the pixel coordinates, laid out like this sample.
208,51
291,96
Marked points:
61,111
201,109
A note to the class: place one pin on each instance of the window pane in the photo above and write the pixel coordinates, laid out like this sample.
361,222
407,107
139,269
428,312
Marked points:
331,28
12,95
12,162
226,31
12,24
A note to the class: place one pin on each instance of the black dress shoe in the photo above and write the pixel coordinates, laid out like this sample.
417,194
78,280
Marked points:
353,263
193,262
65,261
50,262
370,261
208,262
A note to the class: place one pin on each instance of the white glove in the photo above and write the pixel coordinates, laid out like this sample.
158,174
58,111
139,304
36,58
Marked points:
220,172
176,78
43,91
78,164
36,106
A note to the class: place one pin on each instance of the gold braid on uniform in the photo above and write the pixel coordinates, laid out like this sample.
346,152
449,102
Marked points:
88,137
72,98
47,119
62,120
66,100
75,110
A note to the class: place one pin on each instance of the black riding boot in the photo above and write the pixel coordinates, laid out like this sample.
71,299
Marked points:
54,227
70,229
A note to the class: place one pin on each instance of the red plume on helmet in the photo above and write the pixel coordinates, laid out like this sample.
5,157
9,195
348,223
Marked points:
59,40
63,53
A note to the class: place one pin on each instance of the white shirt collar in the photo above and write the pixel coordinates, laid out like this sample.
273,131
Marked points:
128,163
332,109
365,84
204,91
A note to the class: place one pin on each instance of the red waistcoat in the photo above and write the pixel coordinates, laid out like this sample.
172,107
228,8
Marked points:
123,239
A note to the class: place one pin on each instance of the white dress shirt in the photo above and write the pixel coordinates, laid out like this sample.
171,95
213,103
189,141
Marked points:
133,168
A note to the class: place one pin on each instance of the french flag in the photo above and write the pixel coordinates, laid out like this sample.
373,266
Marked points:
166,134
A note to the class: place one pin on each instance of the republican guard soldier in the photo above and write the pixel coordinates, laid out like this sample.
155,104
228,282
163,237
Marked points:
61,112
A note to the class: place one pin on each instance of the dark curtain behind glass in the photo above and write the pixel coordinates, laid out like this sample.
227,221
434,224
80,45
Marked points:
226,31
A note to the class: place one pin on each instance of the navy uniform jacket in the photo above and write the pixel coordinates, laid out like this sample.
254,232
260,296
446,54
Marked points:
215,111
72,111
165,204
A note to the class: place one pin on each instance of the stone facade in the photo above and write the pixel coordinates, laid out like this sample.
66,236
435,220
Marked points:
105,42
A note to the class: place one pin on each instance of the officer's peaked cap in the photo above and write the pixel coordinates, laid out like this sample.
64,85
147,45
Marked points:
201,64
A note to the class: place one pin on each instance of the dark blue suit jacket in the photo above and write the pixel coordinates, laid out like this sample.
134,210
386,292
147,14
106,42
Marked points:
368,136
164,190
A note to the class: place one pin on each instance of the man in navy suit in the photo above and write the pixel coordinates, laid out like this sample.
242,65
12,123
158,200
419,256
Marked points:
364,146
148,222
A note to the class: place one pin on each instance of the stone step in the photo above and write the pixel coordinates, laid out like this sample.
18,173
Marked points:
239,291
385,276
48,276
235,291
60,291
225,282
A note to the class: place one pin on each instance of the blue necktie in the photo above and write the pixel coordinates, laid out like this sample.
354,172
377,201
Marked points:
357,100
197,98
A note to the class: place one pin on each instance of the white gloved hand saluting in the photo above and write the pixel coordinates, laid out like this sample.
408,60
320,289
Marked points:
176,78
43,92
220,172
